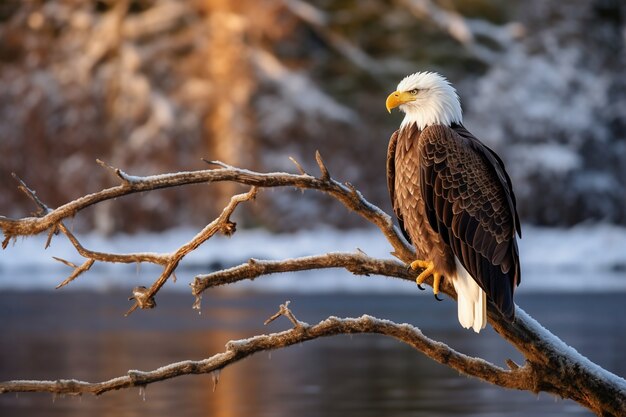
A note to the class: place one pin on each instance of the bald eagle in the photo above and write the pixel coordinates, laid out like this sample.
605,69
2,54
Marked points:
453,200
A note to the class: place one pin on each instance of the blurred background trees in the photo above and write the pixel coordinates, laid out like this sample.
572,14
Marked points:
154,85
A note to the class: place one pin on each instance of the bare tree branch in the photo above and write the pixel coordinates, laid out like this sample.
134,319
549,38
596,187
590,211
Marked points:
347,194
77,270
558,369
237,350
350,198
144,298
357,263
222,225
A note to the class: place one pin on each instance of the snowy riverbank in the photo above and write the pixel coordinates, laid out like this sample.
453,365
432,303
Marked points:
582,258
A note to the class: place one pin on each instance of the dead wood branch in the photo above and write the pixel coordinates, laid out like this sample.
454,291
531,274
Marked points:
169,261
357,263
239,349
553,361
350,198
220,225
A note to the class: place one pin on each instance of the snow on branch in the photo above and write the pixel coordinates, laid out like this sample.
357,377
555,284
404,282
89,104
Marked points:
292,86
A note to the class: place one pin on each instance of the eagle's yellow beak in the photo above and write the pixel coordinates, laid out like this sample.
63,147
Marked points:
398,98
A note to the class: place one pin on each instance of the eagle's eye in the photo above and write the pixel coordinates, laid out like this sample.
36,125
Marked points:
414,91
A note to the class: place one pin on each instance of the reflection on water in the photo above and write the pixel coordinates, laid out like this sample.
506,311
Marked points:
48,335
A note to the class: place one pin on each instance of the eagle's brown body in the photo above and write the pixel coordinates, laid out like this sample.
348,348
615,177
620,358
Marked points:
403,174
454,199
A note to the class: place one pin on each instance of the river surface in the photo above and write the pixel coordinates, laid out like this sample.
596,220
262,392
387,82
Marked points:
83,335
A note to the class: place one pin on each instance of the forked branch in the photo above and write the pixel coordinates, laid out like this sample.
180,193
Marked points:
144,297
130,184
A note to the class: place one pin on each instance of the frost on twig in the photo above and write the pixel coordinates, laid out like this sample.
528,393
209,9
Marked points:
77,270
118,172
284,310
298,166
142,297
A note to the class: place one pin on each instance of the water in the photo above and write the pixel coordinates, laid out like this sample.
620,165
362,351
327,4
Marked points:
83,335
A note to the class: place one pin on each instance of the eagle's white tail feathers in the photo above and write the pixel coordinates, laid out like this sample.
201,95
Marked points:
472,301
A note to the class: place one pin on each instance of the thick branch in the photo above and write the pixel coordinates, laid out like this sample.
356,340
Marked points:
562,370
358,263
237,350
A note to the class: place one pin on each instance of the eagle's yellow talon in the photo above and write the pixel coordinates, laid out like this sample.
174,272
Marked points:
436,282
420,264
429,269
428,266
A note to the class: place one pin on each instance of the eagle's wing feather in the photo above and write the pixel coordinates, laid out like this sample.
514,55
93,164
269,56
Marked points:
391,178
470,203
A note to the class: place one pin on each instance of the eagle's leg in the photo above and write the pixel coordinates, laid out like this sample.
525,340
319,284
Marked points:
429,269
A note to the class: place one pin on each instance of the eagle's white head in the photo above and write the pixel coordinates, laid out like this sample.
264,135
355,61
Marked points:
427,98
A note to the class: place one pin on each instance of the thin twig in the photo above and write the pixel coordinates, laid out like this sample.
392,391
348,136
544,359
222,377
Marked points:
283,310
320,162
118,172
216,163
77,271
124,258
298,166
43,209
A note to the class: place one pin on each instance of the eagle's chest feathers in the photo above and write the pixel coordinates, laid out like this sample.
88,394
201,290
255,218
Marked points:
409,202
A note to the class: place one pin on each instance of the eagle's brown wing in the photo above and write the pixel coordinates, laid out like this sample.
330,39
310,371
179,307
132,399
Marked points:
391,178
470,203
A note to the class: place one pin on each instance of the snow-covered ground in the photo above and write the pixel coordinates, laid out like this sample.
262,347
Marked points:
584,258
